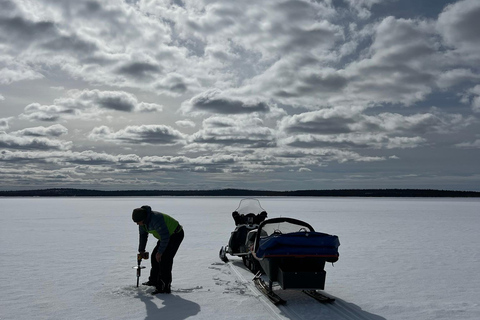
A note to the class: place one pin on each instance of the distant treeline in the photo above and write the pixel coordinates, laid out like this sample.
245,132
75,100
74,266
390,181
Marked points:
240,193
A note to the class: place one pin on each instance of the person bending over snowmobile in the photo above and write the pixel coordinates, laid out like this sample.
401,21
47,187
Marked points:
169,234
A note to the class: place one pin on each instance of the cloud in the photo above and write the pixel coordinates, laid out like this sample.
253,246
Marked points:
400,62
459,24
87,104
400,66
119,101
349,127
36,34
95,158
214,163
126,47
289,87
457,76
374,141
247,131
352,120
21,31
185,124
139,70
68,157
316,82
143,134
111,100
148,107
326,121
9,141
215,101
362,7
302,157
469,145
55,130
13,71
472,96
269,35
166,49
51,113
4,123
174,84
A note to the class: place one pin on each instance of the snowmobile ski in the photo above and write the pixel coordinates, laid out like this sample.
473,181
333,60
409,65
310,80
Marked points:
318,296
223,254
272,296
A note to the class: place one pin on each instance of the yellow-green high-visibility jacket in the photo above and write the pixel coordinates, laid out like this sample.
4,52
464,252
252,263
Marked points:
161,226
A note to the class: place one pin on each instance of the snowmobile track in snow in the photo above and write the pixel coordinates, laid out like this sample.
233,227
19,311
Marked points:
339,310
274,310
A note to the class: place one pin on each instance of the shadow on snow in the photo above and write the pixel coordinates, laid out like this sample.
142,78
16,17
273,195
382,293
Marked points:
174,307
298,303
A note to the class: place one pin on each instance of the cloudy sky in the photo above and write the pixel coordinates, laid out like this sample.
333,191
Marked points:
271,94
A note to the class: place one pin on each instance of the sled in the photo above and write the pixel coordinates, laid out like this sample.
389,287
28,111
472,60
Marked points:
291,253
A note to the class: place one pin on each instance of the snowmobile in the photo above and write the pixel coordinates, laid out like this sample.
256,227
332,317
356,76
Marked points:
247,217
286,251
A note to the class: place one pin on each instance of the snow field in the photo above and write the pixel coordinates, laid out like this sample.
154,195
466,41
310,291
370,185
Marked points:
72,258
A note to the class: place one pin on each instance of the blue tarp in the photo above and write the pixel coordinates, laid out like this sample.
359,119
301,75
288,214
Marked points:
299,244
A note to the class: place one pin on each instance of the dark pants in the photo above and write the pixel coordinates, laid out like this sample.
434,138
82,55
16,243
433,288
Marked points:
161,273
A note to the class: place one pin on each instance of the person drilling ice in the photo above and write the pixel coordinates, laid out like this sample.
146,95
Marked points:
170,235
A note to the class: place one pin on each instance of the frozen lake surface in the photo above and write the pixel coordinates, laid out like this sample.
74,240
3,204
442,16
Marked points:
72,258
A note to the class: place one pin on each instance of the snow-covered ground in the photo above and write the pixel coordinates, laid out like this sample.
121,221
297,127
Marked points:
72,258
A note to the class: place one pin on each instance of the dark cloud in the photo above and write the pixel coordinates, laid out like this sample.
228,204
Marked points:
139,70
20,31
318,123
315,83
26,35
4,123
144,134
87,104
213,102
71,44
115,103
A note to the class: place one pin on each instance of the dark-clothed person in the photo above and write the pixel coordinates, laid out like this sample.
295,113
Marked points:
170,235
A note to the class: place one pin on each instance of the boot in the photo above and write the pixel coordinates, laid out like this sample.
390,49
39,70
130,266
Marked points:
162,288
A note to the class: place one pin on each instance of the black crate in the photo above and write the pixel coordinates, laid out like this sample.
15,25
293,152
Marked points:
302,279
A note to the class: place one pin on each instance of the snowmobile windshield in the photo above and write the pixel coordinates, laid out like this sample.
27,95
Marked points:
283,226
248,206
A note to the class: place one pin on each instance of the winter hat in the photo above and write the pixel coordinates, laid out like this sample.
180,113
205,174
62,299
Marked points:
139,214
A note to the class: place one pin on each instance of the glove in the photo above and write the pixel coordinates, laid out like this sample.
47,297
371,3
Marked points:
142,255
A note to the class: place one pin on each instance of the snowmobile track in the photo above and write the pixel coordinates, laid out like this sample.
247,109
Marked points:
343,311
274,310
339,310
318,296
